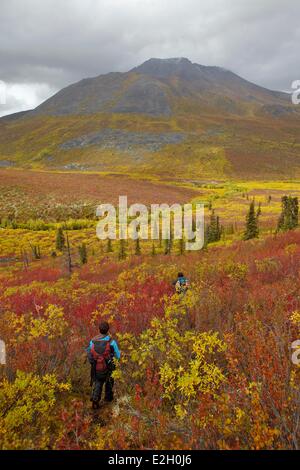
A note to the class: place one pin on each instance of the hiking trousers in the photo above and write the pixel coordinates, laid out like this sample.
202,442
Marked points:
98,384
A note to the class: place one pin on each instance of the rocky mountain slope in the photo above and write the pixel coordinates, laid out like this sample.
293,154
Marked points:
157,86
166,117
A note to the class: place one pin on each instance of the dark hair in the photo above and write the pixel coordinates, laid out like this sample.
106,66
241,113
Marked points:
103,327
180,275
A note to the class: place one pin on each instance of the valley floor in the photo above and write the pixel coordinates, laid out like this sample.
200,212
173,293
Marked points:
58,196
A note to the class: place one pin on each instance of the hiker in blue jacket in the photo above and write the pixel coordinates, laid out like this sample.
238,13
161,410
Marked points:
181,284
101,352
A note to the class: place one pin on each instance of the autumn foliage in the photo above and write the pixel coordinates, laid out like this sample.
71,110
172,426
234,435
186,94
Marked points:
208,370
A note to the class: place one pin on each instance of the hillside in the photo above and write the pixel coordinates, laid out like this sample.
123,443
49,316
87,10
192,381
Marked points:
163,118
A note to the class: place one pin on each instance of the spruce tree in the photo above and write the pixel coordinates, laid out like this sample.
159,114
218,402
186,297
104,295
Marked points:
251,223
213,230
295,212
289,216
122,249
153,251
109,247
83,253
258,212
60,239
69,256
181,246
168,246
137,250
160,240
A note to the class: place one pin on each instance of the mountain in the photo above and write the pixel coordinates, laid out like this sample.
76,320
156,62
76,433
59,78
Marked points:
156,88
165,117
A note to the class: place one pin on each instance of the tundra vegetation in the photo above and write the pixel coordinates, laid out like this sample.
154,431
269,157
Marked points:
208,370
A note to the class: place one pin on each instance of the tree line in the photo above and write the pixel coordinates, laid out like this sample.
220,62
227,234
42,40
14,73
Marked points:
214,231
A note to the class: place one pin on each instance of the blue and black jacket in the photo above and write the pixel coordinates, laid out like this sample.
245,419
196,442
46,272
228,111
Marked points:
113,344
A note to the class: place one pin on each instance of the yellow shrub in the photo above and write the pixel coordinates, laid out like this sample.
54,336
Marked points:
236,271
52,325
295,318
267,265
26,411
185,361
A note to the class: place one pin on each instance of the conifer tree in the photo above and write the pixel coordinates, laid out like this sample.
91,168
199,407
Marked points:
295,212
69,256
60,239
168,246
109,247
137,250
289,216
122,249
251,223
181,246
213,229
258,213
153,251
83,253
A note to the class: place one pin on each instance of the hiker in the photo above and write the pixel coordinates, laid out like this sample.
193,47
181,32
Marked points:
101,353
181,284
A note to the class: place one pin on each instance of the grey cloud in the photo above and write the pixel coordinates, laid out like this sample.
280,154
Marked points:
52,43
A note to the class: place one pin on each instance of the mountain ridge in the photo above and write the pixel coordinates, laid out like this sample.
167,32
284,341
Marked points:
164,118
150,89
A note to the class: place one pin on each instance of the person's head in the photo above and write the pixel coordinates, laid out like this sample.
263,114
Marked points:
180,275
104,327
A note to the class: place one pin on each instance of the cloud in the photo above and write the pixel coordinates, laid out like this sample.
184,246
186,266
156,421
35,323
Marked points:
15,97
47,45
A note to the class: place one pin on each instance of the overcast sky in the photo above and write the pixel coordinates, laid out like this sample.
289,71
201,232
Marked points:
48,44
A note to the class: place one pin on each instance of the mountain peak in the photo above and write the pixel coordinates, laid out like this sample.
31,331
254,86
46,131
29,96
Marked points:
170,60
166,61
164,68
158,87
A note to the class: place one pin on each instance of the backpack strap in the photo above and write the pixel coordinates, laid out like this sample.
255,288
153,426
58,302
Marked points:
101,338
